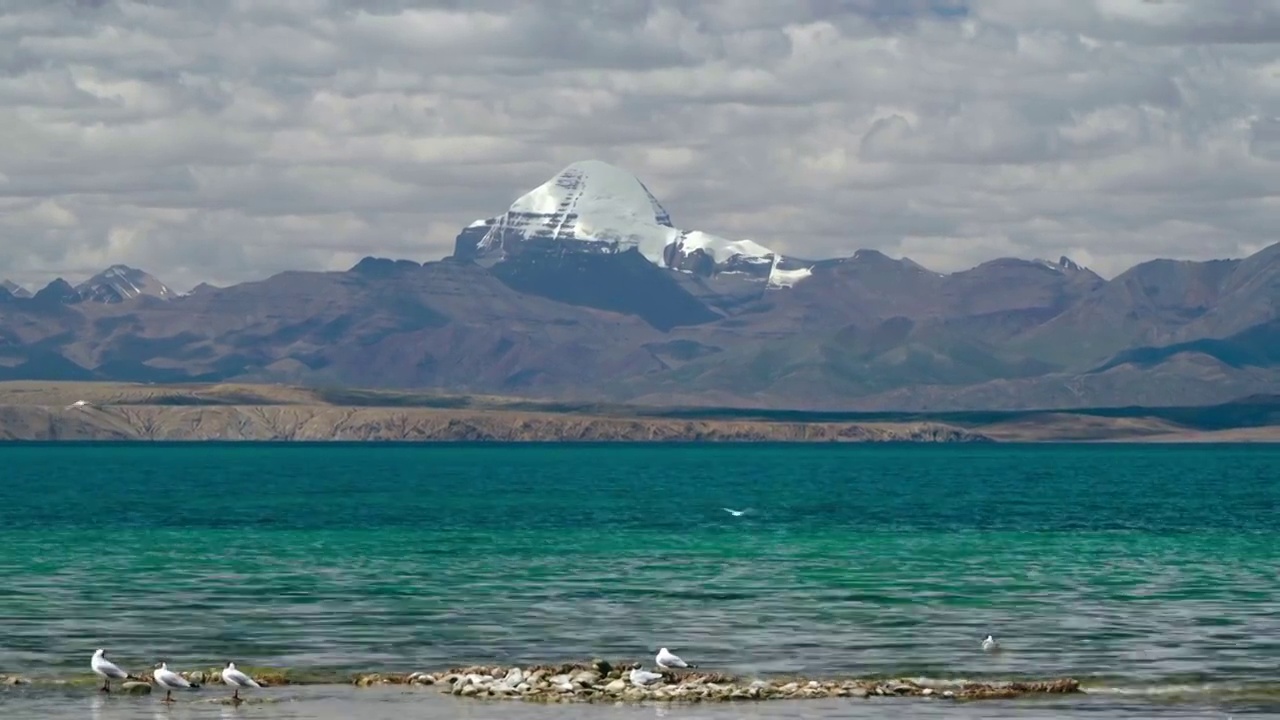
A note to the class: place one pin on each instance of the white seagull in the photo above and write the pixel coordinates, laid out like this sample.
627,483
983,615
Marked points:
667,660
735,513
989,644
644,678
107,670
233,677
170,681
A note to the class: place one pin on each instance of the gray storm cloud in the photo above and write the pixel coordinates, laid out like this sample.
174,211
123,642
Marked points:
228,141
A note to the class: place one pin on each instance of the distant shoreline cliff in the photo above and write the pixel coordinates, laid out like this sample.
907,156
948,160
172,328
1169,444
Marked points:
320,423
75,411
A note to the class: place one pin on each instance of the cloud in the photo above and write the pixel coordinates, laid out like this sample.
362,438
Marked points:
227,141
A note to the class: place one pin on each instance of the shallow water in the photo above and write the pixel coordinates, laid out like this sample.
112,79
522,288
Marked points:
345,703
1147,572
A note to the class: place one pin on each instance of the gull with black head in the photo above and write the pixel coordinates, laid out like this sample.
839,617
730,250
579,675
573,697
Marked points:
170,681
237,679
107,670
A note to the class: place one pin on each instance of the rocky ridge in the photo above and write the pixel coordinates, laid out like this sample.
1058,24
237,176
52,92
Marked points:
14,289
119,283
601,681
115,285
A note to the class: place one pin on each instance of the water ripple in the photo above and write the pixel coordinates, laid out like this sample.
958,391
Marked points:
880,562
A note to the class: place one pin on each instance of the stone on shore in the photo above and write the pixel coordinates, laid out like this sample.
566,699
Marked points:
136,687
263,676
599,681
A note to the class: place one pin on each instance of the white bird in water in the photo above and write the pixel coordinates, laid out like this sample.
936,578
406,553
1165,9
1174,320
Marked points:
170,681
735,513
233,677
667,660
989,644
644,678
107,670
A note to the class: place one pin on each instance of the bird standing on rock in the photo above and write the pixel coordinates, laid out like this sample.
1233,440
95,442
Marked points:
236,679
170,681
668,660
107,670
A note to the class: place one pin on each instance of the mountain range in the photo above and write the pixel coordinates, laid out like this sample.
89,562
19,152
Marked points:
585,290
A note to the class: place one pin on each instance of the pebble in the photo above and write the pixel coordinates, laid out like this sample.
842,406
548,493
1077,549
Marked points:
599,681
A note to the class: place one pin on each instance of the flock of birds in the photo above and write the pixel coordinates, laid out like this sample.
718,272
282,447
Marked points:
165,678
169,680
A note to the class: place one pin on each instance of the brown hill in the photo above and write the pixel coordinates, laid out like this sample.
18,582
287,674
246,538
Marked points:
572,294
866,332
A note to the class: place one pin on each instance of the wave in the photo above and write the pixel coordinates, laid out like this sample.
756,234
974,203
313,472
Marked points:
1178,691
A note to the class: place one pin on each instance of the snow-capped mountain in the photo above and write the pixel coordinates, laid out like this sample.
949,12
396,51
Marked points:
15,289
121,282
1064,264
596,208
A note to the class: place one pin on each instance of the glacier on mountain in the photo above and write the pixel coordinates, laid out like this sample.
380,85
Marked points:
779,278
594,207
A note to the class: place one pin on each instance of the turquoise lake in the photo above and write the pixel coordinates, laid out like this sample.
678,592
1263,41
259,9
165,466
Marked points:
1150,573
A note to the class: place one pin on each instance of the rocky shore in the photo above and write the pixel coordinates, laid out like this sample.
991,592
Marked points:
599,681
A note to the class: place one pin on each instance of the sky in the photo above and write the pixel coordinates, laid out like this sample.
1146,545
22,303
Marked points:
227,141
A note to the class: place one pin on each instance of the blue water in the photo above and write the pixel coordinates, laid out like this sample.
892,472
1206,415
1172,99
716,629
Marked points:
1142,570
